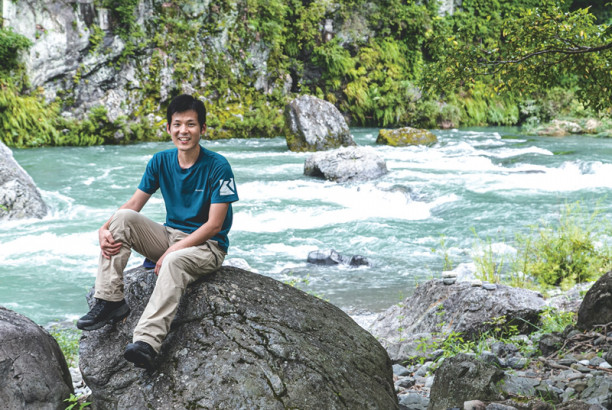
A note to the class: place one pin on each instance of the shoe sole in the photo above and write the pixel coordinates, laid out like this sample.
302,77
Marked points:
116,316
139,358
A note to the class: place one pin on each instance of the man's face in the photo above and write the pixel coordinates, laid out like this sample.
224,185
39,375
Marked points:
185,130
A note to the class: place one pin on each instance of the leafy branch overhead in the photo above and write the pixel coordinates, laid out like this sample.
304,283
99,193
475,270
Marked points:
542,47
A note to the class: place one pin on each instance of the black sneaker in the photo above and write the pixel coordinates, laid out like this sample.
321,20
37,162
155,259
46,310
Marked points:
141,354
102,313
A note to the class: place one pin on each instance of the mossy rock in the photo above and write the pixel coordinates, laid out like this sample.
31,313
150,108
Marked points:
402,137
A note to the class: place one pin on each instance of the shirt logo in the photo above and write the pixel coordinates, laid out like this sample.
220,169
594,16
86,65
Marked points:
227,187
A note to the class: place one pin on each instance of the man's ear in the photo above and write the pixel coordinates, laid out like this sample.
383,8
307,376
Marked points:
203,130
168,128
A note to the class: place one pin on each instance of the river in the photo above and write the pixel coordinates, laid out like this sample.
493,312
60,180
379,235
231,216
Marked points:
493,181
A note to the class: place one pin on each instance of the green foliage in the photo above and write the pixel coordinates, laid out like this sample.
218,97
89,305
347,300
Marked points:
571,252
555,320
68,340
525,48
73,402
11,44
489,264
26,120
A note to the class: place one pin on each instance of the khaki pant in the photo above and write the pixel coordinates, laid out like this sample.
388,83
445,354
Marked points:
178,270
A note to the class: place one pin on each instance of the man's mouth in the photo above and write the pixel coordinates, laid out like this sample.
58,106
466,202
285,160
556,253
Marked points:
184,139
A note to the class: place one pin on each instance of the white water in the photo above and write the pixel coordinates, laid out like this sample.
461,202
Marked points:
489,180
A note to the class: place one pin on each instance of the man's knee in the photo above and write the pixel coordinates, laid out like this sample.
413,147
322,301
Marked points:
122,218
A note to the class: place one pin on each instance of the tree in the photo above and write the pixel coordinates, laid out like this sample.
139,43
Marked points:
539,48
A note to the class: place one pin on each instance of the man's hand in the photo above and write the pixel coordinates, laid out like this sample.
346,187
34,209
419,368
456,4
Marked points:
107,243
158,265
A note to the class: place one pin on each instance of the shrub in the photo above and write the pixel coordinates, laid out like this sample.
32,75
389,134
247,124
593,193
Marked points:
572,252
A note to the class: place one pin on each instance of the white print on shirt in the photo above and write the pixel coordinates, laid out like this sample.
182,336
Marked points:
227,187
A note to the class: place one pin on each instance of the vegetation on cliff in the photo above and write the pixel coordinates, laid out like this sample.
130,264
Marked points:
383,63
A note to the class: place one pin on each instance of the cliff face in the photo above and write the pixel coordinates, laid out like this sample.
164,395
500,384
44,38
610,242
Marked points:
86,56
246,59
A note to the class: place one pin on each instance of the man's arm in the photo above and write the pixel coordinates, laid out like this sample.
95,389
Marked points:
107,243
216,217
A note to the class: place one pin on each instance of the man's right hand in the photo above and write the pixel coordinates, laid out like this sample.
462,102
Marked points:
107,243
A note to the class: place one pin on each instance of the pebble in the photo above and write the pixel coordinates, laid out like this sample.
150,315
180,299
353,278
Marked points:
449,274
605,365
476,283
449,281
400,370
489,286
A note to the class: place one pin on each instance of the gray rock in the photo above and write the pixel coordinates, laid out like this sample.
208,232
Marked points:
463,378
435,307
413,401
499,406
596,307
312,124
550,343
330,257
19,196
33,370
240,340
598,391
346,164
400,370
474,405
517,385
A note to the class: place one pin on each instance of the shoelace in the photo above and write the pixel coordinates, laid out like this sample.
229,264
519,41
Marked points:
95,311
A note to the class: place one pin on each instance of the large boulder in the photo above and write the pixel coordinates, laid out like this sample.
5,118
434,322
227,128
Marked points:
33,370
596,307
19,197
346,164
402,137
312,124
436,308
240,340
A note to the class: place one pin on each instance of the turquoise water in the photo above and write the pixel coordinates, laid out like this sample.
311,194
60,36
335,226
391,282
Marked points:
493,181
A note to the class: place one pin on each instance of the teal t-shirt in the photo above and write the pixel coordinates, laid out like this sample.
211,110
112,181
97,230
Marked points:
188,193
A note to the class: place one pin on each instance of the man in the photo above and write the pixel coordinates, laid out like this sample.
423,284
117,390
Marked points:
198,188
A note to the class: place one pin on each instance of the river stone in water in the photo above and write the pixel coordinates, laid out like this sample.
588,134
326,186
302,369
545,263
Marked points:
312,124
596,307
33,371
241,340
460,307
405,136
346,164
19,197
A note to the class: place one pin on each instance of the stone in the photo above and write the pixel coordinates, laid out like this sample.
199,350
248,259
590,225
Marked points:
330,258
596,307
19,196
463,378
413,401
33,370
346,164
406,136
598,391
517,385
400,370
312,124
559,128
438,308
549,343
474,405
240,340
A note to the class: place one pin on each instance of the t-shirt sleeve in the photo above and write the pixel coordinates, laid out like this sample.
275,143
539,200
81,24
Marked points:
223,184
150,179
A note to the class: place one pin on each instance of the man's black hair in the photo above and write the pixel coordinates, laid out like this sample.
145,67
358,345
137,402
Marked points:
186,102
